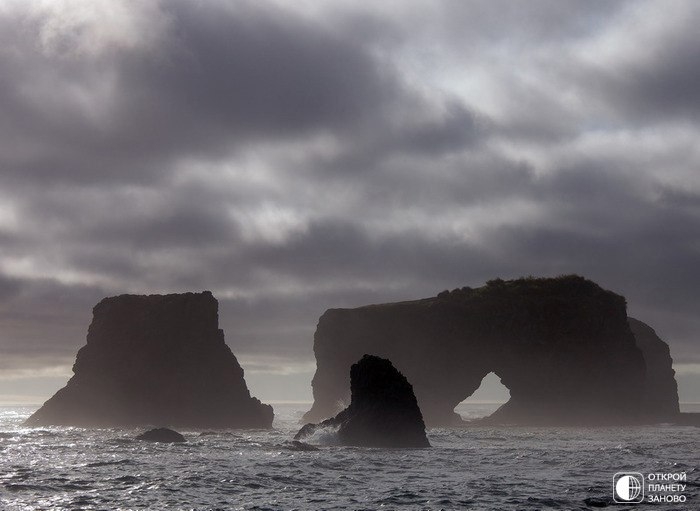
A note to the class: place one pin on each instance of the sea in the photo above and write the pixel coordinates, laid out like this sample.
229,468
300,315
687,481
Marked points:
476,468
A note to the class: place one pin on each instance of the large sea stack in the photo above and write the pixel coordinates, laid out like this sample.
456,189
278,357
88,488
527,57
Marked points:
383,410
155,360
562,346
660,388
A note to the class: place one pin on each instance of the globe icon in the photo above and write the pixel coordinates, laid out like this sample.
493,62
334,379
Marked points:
628,487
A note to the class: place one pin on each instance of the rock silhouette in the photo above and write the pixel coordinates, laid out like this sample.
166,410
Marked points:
163,435
383,411
158,359
660,389
296,445
562,346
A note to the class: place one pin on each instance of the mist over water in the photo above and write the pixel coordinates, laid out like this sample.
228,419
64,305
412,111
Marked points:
475,468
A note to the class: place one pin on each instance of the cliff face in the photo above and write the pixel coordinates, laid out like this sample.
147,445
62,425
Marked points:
660,387
383,410
158,359
562,346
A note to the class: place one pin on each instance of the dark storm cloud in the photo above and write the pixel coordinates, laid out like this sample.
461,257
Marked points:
443,133
293,160
341,252
220,76
253,71
456,129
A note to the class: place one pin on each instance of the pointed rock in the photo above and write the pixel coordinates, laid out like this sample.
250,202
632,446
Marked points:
383,411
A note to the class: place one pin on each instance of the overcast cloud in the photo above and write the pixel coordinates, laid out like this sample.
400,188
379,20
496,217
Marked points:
296,156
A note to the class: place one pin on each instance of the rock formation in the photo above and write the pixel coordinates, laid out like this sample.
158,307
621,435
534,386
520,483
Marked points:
296,445
660,389
163,435
562,346
383,410
155,360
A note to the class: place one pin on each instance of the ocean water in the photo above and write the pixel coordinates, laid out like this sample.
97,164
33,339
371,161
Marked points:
486,468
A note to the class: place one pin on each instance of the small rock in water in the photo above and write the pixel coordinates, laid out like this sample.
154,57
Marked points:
296,445
595,502
161,435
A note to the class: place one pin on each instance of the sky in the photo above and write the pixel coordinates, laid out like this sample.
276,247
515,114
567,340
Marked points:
298,156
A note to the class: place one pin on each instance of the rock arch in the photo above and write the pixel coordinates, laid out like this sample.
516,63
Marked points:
563,346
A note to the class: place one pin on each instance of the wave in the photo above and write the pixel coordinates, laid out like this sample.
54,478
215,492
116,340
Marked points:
326,436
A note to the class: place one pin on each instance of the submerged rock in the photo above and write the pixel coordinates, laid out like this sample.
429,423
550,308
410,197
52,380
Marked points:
598,502
164,435
383,411
296,445
158,359
562,346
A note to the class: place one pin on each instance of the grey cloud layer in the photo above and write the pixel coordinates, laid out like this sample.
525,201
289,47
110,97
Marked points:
217,78
294,161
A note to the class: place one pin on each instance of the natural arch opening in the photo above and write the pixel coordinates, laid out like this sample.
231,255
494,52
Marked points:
485,400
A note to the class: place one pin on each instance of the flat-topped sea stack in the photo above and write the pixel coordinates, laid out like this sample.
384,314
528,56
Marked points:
383,410
562,346
155,360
